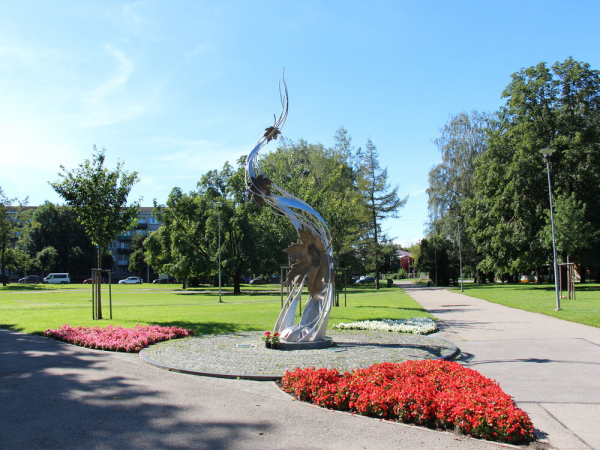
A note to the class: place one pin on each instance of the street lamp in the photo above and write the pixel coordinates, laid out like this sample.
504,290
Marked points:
547,152
218,206
460,254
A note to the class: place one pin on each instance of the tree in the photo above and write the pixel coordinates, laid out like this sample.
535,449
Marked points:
46,259
556,107
57,226
99,198
251,238
326,179
574,233
11,222
178,247
137,258
381,202
434,256
462,139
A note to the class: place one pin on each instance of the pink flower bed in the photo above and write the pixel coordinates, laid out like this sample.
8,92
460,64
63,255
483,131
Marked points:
437,394
117,339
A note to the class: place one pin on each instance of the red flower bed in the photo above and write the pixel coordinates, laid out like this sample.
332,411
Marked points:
438,394
117,339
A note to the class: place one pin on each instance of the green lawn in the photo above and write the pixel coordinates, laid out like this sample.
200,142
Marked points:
35,308
585,308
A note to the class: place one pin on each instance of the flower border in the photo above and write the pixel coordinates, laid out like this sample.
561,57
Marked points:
434,393
414,325
117,339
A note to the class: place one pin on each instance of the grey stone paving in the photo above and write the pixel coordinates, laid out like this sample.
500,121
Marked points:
243,355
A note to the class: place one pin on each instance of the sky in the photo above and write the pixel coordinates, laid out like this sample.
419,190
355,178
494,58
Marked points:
176,88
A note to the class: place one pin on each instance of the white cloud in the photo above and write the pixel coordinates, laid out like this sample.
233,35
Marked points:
111,102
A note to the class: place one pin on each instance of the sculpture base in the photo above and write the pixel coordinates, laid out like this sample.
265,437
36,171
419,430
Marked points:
310,345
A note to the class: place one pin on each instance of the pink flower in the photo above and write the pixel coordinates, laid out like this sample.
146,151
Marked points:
117,338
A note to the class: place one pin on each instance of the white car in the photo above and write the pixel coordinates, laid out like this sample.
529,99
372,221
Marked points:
131,280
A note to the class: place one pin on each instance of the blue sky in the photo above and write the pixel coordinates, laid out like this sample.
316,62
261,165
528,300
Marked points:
176,88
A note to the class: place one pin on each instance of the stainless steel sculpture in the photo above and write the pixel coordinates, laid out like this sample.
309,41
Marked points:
313,253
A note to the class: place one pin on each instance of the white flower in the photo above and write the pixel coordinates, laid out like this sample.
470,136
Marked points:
414,325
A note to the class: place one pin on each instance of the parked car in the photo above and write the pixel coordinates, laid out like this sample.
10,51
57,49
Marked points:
259,280
91,280
30,279
363,280
169,280
131,280
57,278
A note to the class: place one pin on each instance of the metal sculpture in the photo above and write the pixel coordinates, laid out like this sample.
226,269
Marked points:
314,254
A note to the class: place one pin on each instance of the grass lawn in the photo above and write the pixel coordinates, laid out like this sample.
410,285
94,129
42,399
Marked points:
35,308
585,308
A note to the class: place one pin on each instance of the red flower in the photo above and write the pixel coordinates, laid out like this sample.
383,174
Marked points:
438,394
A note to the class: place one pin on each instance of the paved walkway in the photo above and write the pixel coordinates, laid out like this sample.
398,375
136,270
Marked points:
550,366
58,396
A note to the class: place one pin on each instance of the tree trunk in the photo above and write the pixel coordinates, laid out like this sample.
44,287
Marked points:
3,270
236,279
98,287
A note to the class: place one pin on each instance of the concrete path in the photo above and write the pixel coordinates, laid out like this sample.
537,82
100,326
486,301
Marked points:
551,367
58,396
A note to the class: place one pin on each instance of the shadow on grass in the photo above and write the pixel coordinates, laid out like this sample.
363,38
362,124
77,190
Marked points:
227,293
11,326
391,307
24,287
201,328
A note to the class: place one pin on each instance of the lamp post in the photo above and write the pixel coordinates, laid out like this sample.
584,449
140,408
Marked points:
218,206
547,152
460,254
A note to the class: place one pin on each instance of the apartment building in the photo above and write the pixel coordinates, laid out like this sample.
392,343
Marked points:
121,247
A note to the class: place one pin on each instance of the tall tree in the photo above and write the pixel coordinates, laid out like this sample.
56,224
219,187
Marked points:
57,226
462,139
326,179
434,256
137,257
179,247
381,202
251,238
98,195
556,107
11,222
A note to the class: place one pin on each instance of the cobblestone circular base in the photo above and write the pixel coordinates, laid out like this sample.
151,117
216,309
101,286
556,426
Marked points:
244,355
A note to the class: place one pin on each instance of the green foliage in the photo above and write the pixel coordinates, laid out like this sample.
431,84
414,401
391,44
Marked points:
252,239
137,257
178,247
462,139
12,220
556,107
381,202
57,227
574,233
435,256
99,198
46,259
326,180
